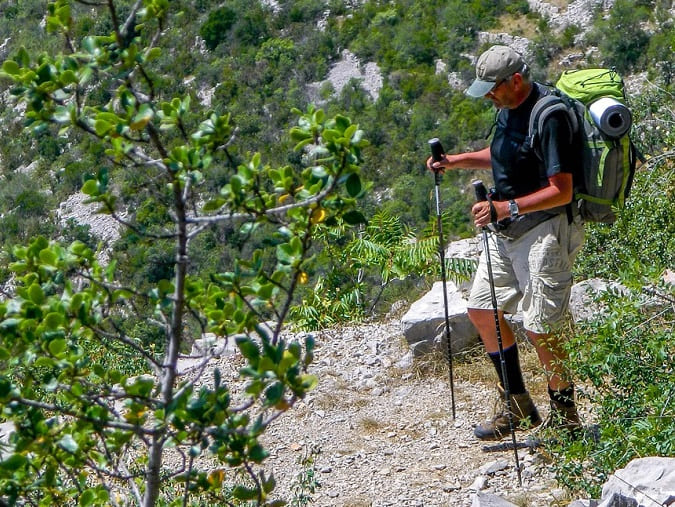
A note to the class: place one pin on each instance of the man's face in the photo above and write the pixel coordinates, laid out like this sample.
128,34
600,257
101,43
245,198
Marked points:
503,94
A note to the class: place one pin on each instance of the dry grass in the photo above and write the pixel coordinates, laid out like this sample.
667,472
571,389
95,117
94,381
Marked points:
370,425
359,503
473,365
522,26
560,4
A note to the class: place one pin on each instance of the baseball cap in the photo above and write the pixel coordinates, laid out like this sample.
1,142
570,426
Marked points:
494,65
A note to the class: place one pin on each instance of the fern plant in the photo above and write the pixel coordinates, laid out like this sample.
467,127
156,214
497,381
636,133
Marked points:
362,268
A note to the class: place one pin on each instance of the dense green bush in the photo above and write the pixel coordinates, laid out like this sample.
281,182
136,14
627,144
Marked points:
216,28
621,37
624,363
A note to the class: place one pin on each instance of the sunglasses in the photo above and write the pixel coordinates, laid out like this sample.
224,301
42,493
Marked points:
497,85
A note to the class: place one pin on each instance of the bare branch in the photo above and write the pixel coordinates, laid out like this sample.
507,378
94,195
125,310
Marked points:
131,19
139,430
273,212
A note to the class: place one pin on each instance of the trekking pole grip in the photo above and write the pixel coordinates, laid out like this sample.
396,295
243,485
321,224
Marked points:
437,154
437,151
480,190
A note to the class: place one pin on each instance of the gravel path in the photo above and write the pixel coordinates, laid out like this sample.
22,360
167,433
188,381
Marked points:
380,430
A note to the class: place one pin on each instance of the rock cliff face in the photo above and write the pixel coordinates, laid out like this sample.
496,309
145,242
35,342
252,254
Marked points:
578,13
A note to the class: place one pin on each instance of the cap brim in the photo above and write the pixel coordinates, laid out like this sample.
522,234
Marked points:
479,88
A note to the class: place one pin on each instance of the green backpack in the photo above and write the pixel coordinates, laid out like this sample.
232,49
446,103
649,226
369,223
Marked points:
595,102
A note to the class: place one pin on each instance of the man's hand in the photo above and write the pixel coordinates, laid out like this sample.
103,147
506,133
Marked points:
437,166
483,215
469,160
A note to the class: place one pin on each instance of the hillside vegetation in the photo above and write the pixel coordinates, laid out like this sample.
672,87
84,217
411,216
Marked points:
249,190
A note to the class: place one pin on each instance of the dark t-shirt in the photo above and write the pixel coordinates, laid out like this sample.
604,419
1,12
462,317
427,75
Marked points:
515,167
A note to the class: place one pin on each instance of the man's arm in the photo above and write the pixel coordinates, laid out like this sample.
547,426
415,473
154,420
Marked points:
557,193
470,160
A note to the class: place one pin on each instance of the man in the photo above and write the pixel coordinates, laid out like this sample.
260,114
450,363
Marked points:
534,241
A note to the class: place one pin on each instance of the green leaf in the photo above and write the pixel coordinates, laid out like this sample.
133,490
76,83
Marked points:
353,185
85,74
153,53
90,187
242,493
297,134
214,204
257,453
274,393
142,118
36,294
68,443
11,67
14,462
309,382
88,497
56,347
330,135
269,484
349,132
248,349
265,291
53,320
102,127
48,257
342,122
354,218
140,386
319,172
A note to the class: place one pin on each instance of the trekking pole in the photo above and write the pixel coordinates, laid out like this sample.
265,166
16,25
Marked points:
482,195
437,154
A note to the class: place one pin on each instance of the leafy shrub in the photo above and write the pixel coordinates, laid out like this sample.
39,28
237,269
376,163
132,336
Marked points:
624,360
361,269
89,356
621,37
217,26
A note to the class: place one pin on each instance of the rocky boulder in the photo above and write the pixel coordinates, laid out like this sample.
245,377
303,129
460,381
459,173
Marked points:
644,482
586,297
423,325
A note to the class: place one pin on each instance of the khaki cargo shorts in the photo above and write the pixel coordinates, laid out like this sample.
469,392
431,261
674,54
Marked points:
532,274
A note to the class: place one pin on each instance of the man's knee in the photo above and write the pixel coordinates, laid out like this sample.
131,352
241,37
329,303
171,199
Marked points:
481,318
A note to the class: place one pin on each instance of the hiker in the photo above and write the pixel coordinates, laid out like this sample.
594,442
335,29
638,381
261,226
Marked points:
533,240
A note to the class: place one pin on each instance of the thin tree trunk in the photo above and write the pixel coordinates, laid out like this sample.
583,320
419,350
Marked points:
174,340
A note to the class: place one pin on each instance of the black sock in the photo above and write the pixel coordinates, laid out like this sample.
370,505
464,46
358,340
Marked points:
565,396
513,372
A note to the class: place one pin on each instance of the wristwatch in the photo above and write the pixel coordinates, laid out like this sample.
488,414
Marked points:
513,208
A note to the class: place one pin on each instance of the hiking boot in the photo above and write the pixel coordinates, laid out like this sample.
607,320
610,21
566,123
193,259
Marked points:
560,419
524,414
563,418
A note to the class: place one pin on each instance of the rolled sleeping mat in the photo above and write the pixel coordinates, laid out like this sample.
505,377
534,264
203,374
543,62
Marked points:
611,116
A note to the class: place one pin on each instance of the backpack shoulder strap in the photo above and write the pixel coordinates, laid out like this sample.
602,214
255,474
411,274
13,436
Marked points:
541,111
